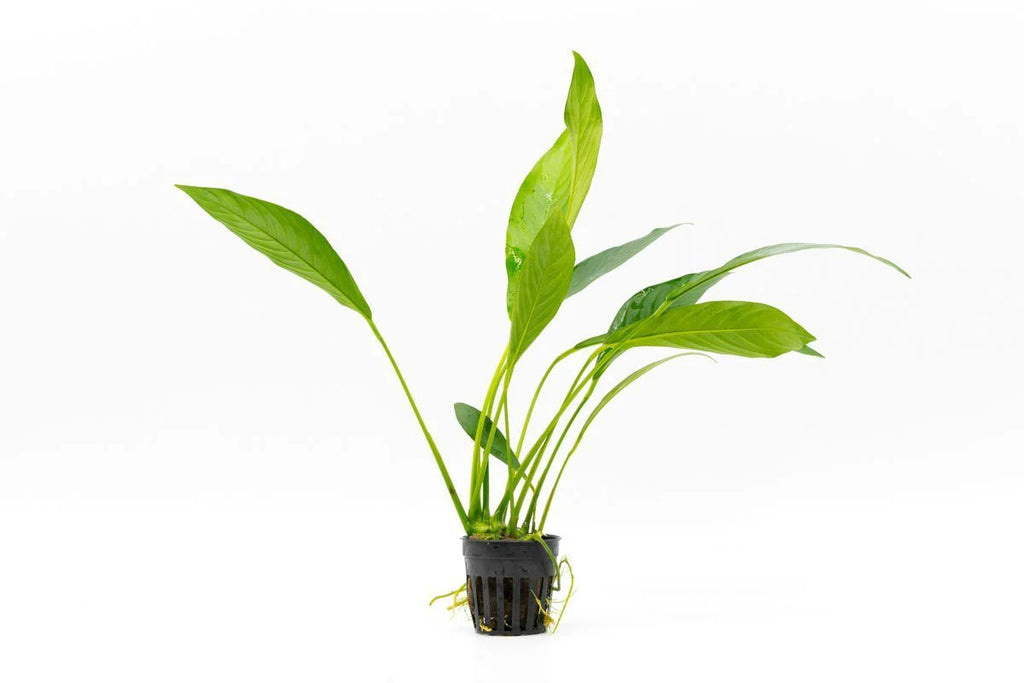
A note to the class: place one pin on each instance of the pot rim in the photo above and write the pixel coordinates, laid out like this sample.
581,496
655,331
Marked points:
546,537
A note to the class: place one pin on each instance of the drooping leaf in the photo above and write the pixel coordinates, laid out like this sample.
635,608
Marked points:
286,238
469,420
590,269
559,181
686,290
542,283
735,328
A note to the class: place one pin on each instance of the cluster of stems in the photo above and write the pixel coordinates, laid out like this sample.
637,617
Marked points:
517,514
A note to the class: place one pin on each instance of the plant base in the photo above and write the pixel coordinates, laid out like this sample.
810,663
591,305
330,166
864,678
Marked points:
508,584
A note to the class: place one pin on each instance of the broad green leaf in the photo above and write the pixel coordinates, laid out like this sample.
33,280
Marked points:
285,237
590,269
687,289
559,181
584,124
469,419
735,328
541,285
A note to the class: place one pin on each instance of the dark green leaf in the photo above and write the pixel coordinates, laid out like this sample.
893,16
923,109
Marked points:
644,303
687,289
559,181
469,420
286,238
736,328
602,263
542,283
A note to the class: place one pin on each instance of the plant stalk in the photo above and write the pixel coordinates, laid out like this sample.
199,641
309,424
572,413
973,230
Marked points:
423,427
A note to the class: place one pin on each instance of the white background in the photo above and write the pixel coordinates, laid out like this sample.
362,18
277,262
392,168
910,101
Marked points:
208,473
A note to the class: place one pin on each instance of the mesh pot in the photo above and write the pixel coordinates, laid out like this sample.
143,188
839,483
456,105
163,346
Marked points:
502,580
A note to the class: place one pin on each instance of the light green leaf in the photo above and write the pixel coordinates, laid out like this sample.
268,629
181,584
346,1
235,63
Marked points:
542,283
686,290
590,269
591,341
584,124
559,181
469,420
735,328
286,238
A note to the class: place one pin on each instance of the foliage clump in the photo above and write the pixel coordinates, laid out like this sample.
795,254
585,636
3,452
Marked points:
511,489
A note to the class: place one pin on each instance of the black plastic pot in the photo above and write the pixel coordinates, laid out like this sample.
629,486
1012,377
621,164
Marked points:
504,581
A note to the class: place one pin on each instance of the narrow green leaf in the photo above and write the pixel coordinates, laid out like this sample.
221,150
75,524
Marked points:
735,328
591,341
469,419
686,290
590,269
808,351
286,238
541,286
559,181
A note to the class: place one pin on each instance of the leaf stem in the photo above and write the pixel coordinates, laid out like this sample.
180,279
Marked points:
423,427
480,462
536,394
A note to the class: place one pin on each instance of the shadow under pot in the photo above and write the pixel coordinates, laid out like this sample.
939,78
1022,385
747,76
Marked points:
507,582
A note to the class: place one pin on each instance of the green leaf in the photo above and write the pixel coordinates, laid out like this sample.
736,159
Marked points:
590,269
286,238
469,419
541,286
584,124
808,351
591,341
559,181
735,328
644,303
686,290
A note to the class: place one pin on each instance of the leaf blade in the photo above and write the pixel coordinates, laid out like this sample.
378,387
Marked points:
541,287
644,303
560,179
585,125
285,237
469,419
737,328
600,264
686,290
